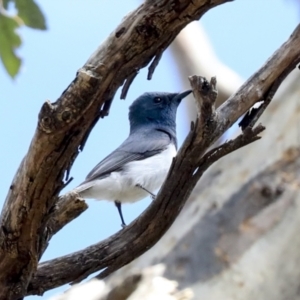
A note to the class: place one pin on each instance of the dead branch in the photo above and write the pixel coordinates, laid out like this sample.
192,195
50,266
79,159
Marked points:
127,84
154,64
63,127
113,253
252,116
66,210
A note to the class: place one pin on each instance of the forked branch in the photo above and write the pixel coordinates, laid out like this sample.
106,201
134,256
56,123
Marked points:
192,160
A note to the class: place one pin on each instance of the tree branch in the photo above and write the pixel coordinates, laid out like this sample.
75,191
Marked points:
154,63
253,115
247,137
145,231
64,125
254,89
127,84
66,210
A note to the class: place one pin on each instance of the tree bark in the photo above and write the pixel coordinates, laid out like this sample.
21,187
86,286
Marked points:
149,227
63,127
237,237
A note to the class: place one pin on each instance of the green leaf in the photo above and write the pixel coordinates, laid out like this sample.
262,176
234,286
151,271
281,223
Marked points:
9,41
31,14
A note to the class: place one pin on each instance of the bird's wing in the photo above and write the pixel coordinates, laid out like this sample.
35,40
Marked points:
132,149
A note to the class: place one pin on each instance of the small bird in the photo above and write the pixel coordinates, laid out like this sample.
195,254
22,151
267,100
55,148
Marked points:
139,166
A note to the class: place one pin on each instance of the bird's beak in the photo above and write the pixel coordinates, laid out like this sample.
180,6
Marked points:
182,95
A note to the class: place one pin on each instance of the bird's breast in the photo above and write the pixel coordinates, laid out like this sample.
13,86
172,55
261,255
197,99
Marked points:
152,171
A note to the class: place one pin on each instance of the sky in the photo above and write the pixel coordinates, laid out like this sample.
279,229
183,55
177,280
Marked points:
244,33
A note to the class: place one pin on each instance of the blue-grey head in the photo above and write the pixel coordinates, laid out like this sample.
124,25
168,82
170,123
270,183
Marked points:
155,109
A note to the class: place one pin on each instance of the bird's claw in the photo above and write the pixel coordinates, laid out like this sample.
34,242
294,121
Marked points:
153,197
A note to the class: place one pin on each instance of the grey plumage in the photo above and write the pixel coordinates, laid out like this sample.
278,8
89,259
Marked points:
140,164
150,142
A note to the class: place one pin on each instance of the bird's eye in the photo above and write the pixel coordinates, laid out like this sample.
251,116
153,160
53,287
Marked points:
157,100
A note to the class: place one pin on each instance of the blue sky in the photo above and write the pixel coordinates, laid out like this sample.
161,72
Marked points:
244,34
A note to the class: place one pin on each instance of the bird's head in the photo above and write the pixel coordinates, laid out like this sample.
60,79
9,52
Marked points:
155,108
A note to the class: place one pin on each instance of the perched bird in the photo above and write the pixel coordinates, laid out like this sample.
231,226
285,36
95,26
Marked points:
139,166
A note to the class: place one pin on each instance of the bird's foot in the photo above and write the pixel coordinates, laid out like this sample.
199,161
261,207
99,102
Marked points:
153,197
119,207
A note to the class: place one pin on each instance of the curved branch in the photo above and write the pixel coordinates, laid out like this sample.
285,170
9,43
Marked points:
145,231
64,125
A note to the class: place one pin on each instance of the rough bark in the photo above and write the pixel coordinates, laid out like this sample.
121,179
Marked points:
63,127
237,237
148,228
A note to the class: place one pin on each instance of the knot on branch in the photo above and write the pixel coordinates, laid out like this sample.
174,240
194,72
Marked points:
46,122
148,28
72,103
180,6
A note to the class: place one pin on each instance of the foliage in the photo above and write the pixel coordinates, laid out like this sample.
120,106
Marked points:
27,14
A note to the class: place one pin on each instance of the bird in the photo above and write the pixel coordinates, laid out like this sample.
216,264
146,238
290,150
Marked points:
139,166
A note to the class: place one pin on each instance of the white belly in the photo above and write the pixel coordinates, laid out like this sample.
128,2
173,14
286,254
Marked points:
150,173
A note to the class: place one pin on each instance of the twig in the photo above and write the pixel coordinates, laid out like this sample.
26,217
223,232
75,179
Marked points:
247,137
104,112
154,63
251,117
128,83
68,180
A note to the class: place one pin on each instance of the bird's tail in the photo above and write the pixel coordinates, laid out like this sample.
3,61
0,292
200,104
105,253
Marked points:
84,186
